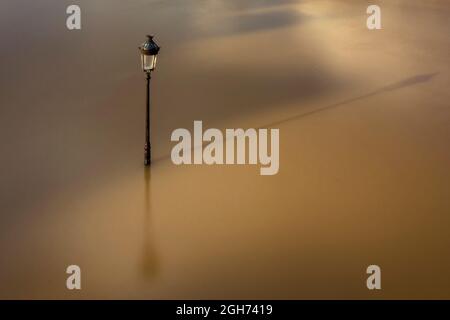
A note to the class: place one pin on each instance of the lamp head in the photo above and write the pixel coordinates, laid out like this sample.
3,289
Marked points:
149,51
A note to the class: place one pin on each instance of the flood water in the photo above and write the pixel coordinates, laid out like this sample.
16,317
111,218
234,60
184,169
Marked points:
364,120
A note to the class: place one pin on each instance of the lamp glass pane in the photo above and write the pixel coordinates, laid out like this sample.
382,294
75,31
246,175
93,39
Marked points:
148,62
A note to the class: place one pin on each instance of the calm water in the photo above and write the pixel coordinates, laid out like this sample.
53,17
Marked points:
364,127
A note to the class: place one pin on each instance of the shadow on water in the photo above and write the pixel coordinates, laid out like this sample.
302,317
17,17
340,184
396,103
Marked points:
421,78
150,264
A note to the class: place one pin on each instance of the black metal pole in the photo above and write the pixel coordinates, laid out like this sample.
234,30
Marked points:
147,148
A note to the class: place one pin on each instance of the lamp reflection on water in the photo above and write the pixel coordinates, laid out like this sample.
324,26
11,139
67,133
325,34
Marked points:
150,264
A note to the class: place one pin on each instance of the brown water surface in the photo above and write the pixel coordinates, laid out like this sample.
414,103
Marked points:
364,178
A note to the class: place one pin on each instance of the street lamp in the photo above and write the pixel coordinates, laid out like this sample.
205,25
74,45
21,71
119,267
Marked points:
149,51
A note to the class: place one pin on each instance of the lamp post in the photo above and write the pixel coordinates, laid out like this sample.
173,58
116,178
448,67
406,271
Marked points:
149,51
